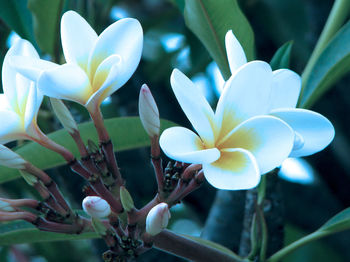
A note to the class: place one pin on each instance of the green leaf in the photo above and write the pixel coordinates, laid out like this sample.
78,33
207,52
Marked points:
19,232
210,20
46,18
331,65
339,222
126,133
281,58
213,245
16,15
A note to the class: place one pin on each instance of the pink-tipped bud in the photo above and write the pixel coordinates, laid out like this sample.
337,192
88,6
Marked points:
157,219
96,207
148,111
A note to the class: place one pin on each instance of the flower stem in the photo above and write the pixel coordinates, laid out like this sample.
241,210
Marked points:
189,249
336,18
286,250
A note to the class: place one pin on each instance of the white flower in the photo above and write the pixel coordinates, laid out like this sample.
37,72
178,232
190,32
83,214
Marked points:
96,207
148,112
313,132
96,65
235,145
20,102
157,219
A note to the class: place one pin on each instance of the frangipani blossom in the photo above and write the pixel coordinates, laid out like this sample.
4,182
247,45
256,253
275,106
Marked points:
20,102
234,145
313,132
96,66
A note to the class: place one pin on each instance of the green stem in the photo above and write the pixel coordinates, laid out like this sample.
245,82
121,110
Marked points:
286,250
262,190
336,19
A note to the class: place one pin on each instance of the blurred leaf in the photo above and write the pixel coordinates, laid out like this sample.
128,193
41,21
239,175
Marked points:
281,58
46,17
126,133
210,21
211,244
16,15
339,222
319,251
332,64
19,232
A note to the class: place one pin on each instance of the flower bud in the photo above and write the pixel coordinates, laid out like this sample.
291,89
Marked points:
6,207
96,207
148,112
11,159
63,115
126,199
157,219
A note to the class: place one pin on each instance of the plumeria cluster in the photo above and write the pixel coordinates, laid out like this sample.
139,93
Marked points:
254,128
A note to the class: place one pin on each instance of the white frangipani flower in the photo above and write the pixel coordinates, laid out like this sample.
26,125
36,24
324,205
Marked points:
20,102
235,145
313,132
96,66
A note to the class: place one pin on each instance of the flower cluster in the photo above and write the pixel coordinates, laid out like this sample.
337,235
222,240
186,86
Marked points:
254,128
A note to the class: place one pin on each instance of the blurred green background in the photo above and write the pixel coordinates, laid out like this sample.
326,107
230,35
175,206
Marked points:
310,199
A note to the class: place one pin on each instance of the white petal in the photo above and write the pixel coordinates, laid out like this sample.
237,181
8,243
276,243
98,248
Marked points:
110,84
316,130
286,86
29,67
66,82
11,126
183,145
78,39
31,108
235,169
245,94
4,103
235,53
124,38
268,138
22,48
195,106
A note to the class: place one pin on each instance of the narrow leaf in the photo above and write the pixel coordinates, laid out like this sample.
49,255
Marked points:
339,222
126,133
281,58
332,64
210,20
19,232
46,17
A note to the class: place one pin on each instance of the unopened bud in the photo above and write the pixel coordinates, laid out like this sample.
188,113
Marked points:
96,207
157,219
148,111
6,207
11,159
63,115
126,199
